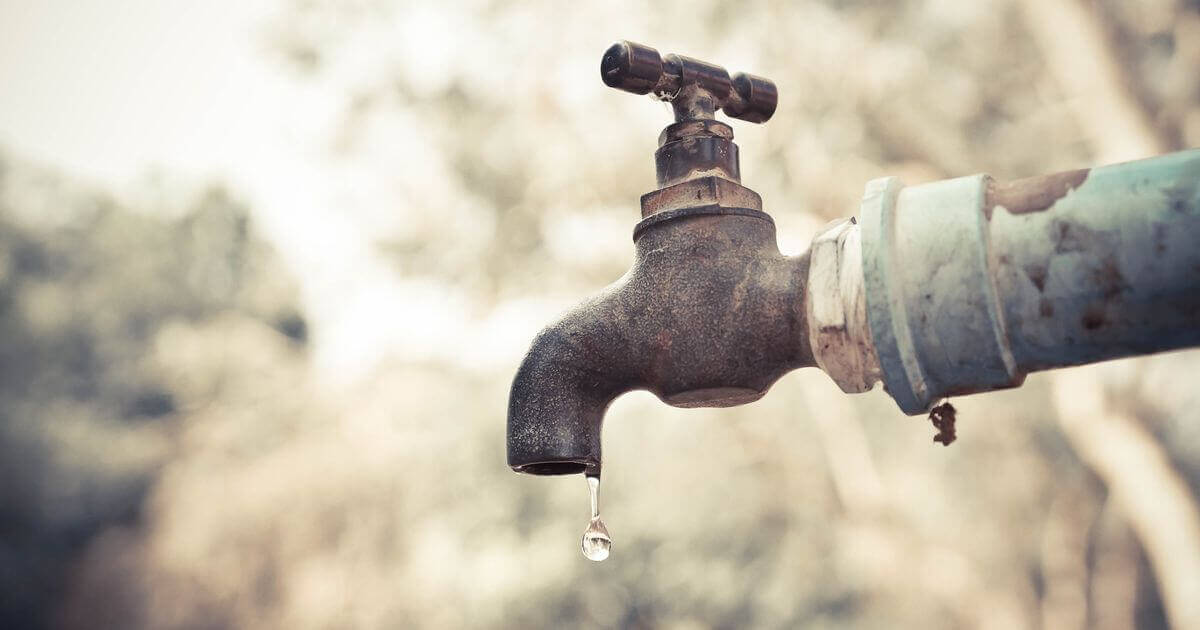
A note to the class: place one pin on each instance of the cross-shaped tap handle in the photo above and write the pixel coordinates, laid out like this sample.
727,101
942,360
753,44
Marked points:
695,88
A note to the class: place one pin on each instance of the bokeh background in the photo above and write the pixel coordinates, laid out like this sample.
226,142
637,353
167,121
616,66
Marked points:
267,269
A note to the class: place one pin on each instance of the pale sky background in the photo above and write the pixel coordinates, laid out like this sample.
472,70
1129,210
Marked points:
112,92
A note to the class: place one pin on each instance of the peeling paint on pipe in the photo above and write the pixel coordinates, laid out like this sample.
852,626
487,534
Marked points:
971,284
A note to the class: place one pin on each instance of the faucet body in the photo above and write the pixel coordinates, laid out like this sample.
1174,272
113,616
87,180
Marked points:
948,288
710,315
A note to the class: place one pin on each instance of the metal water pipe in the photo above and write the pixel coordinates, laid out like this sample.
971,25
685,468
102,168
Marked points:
943,289
967,285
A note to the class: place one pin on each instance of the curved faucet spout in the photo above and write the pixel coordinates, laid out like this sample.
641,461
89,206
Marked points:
710,315
573,370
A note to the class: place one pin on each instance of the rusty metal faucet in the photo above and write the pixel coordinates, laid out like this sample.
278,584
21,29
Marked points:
943,289
711,314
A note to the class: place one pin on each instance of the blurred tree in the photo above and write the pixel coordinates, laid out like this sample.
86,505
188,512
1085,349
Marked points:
85,420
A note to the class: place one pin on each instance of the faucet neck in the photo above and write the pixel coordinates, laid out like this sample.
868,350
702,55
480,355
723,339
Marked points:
692,149
698,173
694,102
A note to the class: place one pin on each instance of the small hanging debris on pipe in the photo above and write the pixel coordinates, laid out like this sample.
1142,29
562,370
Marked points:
943,417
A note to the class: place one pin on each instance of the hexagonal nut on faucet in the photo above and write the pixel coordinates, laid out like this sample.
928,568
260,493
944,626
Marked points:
702,191
836,308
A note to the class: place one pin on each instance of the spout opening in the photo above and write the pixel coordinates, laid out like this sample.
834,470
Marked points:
552,468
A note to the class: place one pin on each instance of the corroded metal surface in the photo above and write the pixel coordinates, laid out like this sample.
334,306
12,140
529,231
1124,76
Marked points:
1111,269
711,314
1033,194
697,156
948,288
934,314
700,191
971,284
837,308
694,149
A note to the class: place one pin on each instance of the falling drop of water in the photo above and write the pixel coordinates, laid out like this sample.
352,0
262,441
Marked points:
596,541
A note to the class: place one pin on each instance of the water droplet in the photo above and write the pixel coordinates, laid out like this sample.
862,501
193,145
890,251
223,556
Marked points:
596,541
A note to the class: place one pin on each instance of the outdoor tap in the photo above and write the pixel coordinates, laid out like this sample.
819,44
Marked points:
942,289
711,313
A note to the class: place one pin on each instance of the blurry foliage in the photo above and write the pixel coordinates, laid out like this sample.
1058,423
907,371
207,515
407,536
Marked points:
85,287
921,88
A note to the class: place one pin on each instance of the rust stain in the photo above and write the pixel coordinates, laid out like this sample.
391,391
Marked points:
1073,237
1094,318
1037,275
1033,194
1112,284
1110,280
